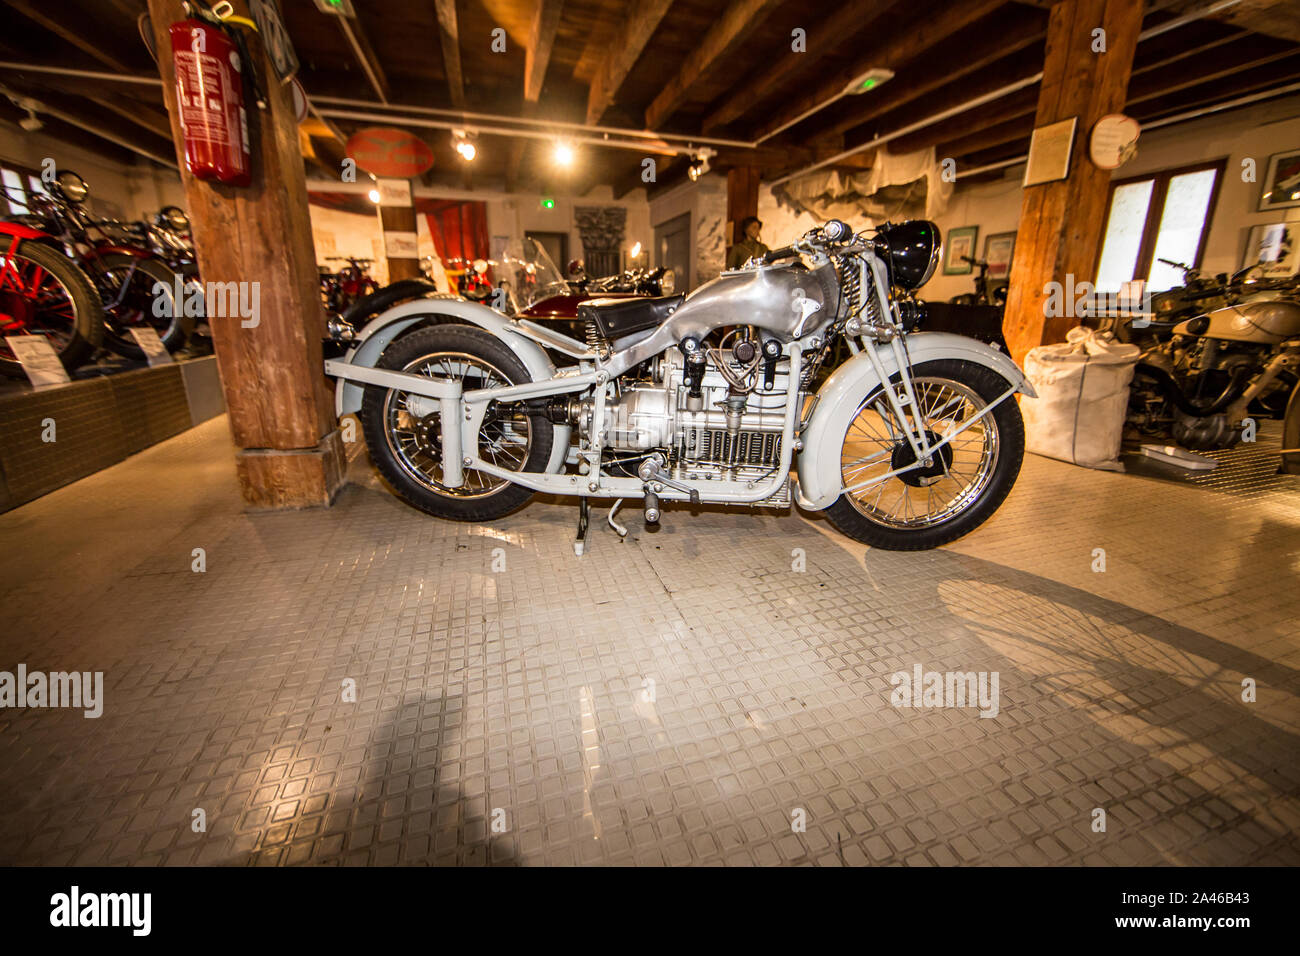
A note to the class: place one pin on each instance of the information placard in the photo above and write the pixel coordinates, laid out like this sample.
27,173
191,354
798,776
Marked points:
39,360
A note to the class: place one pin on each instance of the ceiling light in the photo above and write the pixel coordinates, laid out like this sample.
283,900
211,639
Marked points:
868,81
31,122
374,196
563,154
463,145
636,250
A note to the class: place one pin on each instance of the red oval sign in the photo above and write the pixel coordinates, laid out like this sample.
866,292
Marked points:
385,151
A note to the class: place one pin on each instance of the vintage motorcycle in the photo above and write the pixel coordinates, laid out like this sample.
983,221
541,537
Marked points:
1198,382
911,443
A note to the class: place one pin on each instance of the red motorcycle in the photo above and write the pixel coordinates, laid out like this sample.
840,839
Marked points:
136,286
42,292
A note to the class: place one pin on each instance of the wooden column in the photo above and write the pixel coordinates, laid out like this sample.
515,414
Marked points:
288,451
742,199
1061,222
400,219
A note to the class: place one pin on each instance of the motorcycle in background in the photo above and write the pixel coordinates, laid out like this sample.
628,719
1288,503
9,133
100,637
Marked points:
340,290
43,292
1199,378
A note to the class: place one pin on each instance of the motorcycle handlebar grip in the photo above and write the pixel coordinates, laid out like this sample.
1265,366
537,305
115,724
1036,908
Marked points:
782,253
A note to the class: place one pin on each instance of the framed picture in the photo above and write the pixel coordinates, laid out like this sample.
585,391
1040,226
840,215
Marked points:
961,242
997,253
1275,245
1281,186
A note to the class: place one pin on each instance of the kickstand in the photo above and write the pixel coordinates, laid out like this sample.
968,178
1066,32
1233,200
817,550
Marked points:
584,515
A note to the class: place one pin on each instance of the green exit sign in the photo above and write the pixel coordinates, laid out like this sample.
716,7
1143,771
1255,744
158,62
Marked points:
341,8
548,202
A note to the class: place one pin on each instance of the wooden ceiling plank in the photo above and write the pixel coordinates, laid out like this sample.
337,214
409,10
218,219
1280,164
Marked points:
847,21
449,34
61,23
736,23
541,43
622,56
365,54
897,50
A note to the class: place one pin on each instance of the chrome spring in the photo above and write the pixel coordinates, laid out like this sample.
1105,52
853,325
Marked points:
850,284
594,338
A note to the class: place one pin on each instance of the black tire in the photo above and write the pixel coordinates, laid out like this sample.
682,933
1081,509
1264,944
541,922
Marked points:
76,336
1010,427
136,307
377,405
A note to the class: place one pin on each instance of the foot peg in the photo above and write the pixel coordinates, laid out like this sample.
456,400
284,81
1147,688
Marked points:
651,508
651,470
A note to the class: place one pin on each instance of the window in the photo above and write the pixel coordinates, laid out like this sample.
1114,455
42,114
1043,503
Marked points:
1160,216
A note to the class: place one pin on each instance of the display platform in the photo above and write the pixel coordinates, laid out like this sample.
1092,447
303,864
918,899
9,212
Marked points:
51,437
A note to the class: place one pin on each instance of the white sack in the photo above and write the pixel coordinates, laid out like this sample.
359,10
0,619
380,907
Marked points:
1082,387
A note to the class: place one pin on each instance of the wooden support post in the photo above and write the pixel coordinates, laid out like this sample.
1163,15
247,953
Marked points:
1061,222
399,219
742,199
289,453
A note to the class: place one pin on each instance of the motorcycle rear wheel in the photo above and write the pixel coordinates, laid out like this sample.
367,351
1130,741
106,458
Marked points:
407,449
44,292
970,477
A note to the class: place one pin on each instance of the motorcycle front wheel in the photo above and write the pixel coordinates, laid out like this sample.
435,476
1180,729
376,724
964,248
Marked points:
406,447
43,292
965,483
130,295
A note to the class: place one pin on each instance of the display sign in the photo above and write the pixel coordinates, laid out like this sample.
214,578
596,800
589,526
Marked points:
279,48
401,245
385,151
1114,141
154,351
394,192
39,360
1049,152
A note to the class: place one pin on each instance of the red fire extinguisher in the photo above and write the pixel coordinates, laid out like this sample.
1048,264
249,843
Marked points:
209,87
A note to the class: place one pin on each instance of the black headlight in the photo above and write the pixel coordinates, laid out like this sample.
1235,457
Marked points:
912,250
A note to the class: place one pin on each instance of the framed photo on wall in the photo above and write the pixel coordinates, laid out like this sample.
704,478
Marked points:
961,242
1275,246
997,253
1281,186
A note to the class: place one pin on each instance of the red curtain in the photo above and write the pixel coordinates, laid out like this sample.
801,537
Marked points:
459,229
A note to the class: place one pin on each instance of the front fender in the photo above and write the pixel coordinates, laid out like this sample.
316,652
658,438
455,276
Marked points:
838,399
381,330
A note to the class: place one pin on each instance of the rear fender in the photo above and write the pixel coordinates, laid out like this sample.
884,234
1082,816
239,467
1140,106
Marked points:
384,328
837,404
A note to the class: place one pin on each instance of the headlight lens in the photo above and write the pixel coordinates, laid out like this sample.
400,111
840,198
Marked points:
72,186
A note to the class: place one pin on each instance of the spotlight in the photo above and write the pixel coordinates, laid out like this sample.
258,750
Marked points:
636,251
463,145
374,196
563,154
700,164
31,122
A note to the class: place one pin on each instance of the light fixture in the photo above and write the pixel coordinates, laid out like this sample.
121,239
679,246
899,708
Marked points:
636,251
374,196
464,145
342,8
563,154
700,164
31,122
868,81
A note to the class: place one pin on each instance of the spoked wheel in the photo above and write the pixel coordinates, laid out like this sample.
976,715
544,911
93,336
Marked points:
966,480
42,292
140,292
405,441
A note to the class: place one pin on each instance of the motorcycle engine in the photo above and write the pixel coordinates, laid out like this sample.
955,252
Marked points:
723,435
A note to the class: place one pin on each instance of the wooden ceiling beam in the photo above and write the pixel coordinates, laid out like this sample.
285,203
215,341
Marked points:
62,21
355,34
901,47
449,34
769,80
541,41
733,26
622,56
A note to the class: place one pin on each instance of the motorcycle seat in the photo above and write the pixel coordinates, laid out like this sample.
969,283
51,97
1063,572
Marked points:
615,318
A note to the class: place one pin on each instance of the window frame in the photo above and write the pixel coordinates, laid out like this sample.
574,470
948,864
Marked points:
1151,228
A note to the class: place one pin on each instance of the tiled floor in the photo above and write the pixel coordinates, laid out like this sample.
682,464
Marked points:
683,696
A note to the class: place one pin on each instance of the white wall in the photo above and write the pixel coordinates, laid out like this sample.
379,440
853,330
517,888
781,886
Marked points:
1251,133
706,201
117,190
